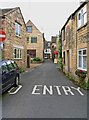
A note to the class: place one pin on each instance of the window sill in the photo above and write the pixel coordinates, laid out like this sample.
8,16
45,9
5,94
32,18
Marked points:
17,58
82,69
29,32
81,27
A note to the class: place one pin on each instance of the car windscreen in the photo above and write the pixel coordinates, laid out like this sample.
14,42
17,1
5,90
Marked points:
0,64
0,67
4,68
10,65
14,64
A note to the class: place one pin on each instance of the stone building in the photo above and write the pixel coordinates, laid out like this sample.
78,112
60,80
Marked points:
35,41
75,41
14,47
54,45
47,50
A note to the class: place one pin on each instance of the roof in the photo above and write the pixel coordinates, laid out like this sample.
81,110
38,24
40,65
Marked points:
31,23
71,16
5,12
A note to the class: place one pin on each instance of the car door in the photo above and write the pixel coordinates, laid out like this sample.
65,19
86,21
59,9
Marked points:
0,77
12,72
5,77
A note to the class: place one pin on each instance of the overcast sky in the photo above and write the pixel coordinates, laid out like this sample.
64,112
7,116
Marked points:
48,15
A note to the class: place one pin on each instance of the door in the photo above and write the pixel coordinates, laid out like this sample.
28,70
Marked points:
68,60
6,77
28,61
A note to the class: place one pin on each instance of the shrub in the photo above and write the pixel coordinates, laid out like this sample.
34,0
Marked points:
85,84
37,59
21,70
60,64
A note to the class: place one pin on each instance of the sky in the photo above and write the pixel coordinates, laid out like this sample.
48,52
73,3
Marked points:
49,16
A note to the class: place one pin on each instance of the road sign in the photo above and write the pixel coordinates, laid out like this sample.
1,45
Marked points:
2,36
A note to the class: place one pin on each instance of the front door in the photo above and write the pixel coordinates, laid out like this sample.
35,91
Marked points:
68,60
28,61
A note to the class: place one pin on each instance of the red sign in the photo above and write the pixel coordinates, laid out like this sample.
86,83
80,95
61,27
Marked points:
55,52
2,36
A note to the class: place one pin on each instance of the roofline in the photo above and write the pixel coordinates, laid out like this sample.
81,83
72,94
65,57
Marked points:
71,16
34,25
13,9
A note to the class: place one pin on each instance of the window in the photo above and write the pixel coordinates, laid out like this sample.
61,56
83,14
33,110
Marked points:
63,34
33,39
64,57
18,29
33,53
82,59
4,68
82,16
27,39
79,16
17,53
29,29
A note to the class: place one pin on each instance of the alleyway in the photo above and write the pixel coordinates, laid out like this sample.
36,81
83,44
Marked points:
46,93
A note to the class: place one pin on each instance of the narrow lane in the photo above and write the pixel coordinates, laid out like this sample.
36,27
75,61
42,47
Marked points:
46,93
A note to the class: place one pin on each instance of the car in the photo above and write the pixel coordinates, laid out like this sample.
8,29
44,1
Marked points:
9,74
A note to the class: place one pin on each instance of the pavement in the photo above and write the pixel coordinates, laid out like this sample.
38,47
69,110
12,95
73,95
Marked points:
45,93
33,66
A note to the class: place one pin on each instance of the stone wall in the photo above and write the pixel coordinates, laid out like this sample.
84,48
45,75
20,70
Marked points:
39,46
12,40
88,39
75,39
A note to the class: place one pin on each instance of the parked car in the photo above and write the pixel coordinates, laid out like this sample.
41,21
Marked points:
9,74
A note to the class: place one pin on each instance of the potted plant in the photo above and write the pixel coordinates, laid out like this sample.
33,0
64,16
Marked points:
82,75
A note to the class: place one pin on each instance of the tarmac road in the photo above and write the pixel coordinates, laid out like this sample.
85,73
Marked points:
45,93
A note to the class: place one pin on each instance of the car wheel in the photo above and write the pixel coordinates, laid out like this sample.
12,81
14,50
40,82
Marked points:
17,81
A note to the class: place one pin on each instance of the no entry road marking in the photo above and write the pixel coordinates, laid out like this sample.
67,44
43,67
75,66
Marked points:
43,89
12,91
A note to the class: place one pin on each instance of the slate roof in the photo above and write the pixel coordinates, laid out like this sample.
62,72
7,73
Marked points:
71,16
7,11
4,11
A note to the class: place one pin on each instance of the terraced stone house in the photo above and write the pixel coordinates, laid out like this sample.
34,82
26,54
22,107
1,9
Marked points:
14,47
75,41
35,42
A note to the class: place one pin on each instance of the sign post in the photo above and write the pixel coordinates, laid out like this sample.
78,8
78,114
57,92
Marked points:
2,38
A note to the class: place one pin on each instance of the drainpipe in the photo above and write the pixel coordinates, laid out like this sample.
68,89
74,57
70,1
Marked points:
76,43
1,48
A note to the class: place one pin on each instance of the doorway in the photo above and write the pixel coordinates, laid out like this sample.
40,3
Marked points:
68,60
